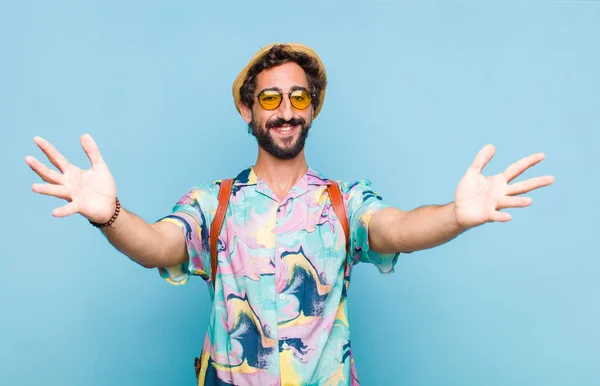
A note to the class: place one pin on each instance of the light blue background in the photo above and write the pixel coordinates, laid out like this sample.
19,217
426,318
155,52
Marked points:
414,91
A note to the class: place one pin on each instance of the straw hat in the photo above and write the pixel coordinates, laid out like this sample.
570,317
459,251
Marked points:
292,47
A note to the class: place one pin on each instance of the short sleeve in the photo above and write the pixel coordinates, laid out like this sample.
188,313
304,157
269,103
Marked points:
193,215
362,203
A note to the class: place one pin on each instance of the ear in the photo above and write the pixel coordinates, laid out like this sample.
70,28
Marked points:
246,112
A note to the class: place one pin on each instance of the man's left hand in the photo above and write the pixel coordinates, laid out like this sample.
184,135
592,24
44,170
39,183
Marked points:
480,199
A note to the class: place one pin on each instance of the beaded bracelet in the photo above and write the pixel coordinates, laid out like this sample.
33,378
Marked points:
112,219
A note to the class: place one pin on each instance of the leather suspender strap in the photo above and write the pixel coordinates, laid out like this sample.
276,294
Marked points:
217,224
335,195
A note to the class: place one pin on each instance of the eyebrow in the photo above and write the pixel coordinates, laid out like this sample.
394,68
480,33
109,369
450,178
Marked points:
270,89
293,88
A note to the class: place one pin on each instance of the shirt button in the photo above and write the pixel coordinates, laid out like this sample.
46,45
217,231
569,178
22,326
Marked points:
280,250
284,346
281,296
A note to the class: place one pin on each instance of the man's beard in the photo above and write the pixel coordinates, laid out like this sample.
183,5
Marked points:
267,142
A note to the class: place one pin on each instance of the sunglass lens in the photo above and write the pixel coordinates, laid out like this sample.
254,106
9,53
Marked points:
300,99
269,99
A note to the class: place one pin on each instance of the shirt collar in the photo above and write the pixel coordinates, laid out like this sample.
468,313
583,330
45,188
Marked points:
249,178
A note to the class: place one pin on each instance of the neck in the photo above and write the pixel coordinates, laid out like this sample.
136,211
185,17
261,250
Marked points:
280,175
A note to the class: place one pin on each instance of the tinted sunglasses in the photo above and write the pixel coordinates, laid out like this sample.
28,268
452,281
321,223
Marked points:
271,99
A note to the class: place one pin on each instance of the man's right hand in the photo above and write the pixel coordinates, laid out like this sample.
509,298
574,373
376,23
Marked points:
92,192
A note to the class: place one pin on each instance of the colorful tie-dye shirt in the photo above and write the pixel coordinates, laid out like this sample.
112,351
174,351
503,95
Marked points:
279,315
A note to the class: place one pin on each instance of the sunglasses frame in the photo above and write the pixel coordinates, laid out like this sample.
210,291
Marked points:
289,94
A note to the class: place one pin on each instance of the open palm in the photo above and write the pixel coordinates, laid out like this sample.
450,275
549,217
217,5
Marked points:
90,192
480,199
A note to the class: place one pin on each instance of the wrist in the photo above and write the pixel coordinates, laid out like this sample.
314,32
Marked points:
457,219
112,219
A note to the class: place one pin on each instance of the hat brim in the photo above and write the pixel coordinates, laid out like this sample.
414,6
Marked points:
292,47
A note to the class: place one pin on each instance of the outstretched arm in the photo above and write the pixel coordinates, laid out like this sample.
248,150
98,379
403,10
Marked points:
478,200
92,193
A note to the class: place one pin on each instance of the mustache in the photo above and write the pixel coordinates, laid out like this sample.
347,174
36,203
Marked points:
280,122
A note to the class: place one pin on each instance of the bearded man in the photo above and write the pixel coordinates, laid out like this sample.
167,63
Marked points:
279,259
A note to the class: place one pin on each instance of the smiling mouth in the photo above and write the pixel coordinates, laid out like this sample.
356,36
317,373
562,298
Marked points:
285,129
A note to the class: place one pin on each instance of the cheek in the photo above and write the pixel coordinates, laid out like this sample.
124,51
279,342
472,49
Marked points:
262,116
309,113
308,116
256,121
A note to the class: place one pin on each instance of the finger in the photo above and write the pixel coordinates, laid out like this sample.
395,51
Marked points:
53,155
500,216
91,149
66,210
58,191
47,174
516,169
529,185
483,157
513,202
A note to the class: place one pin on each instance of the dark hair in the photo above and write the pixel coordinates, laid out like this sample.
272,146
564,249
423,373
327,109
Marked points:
276,56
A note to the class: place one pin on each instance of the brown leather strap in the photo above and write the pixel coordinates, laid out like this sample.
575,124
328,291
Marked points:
217,224
335,195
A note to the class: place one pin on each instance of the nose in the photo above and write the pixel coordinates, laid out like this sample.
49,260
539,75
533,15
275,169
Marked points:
286,111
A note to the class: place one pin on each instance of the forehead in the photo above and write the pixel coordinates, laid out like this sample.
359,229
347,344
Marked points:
284,77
